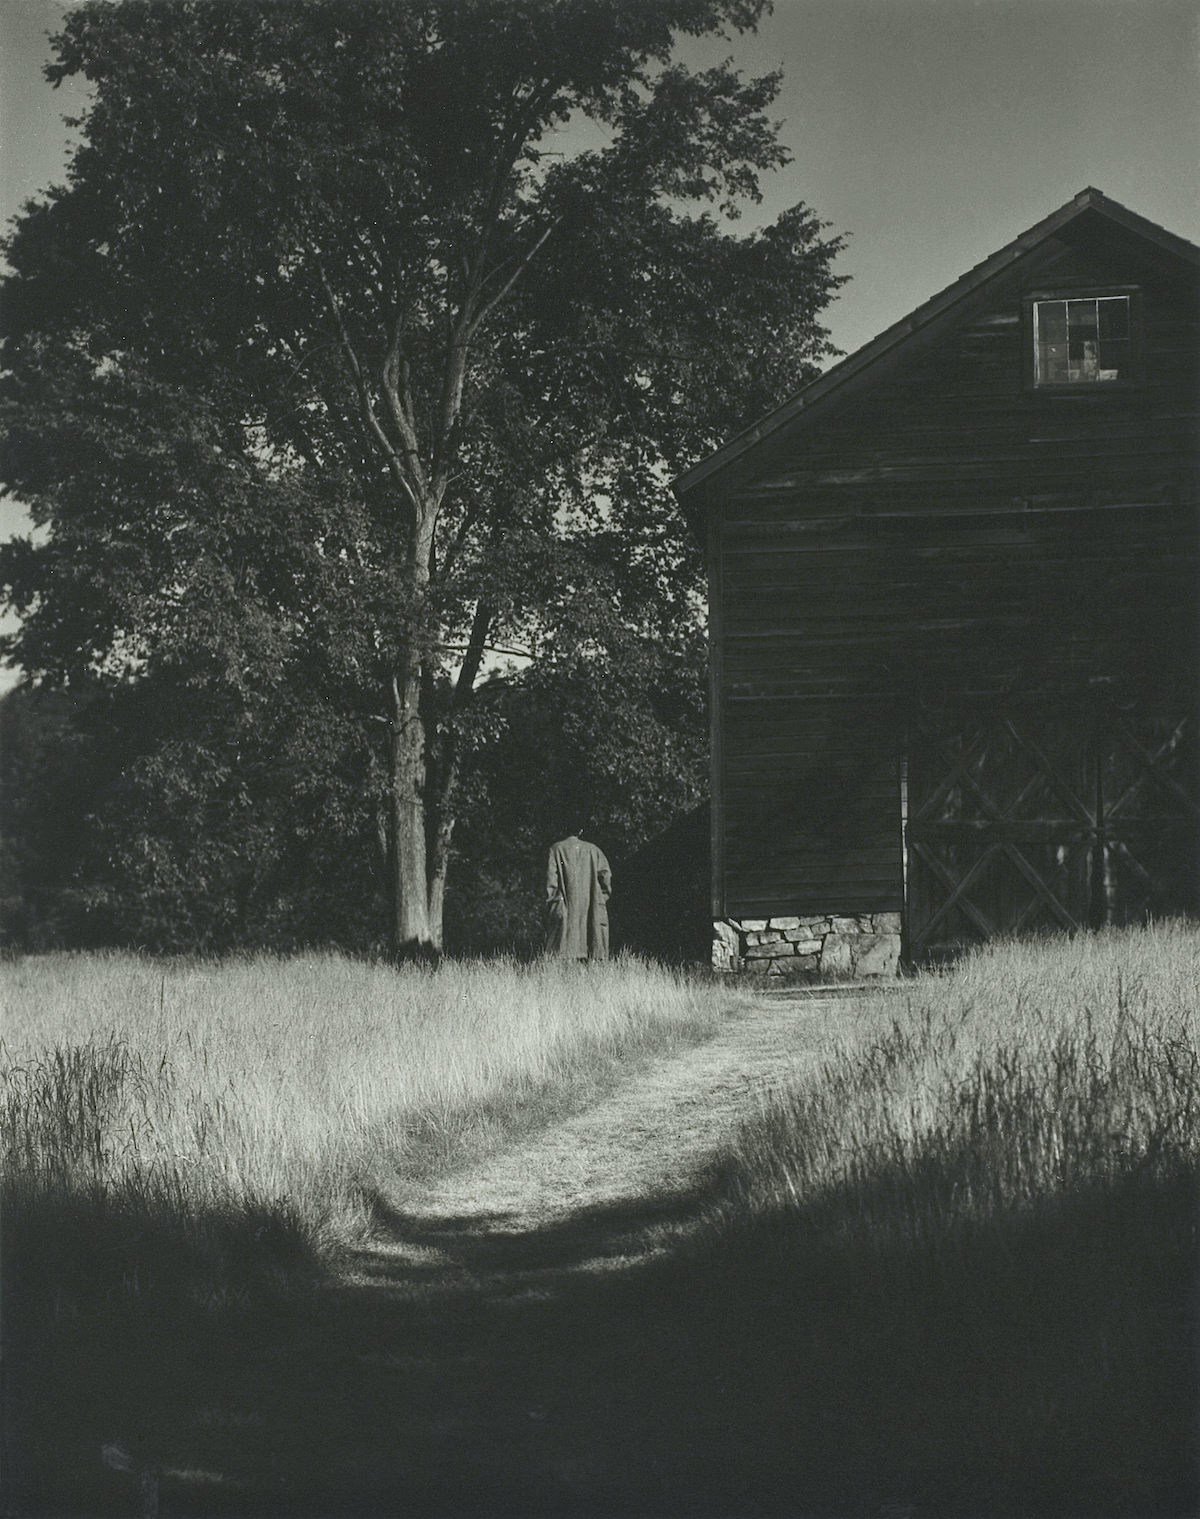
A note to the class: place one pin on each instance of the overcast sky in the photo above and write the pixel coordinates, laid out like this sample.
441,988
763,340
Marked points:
932,131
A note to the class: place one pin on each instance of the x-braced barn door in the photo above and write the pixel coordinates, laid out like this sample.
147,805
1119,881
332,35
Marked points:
1020,821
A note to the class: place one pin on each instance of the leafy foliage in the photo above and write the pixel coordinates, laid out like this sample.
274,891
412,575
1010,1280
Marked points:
341,360
614,744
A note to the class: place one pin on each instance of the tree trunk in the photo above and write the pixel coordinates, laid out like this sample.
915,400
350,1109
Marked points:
439,866
412,935
447,771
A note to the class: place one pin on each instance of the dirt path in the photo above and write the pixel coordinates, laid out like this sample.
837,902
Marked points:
618,1181
512,1340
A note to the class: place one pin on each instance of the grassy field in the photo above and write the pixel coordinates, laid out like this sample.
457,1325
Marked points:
195,1142
288,1089
953,1274
959,1270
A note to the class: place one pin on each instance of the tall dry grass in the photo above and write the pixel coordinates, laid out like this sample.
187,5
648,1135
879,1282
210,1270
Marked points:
962,1262
1030,1069
953,1274
277,1095
188,1146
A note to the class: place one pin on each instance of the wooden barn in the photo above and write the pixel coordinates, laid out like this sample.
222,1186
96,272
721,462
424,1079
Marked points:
955,620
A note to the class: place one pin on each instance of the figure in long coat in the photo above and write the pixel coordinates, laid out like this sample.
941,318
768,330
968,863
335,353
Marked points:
578,885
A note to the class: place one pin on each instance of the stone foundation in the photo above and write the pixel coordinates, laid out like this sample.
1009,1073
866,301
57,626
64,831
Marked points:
809,949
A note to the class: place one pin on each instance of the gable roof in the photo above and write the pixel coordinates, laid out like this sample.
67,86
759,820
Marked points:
1087,204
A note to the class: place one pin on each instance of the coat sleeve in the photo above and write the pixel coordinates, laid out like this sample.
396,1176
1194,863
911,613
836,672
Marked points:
553,882
604,877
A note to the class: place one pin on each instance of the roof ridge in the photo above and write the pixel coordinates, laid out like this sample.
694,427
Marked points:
1087,199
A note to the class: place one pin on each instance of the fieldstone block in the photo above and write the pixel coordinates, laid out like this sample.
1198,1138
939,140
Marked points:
877,954
784,923
836,958
726,946
887,923
753,925
769,951
844,925
805,944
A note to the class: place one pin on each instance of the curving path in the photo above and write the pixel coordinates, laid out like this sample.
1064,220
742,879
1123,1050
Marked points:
512,1340
619,1180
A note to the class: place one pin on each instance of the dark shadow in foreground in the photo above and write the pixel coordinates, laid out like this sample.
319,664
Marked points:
644,1359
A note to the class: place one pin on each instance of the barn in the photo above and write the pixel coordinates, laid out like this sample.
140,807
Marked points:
955,622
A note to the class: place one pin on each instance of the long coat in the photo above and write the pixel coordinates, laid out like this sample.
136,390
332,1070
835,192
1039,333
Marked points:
578,884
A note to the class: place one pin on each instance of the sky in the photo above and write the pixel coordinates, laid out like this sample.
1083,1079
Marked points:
932,131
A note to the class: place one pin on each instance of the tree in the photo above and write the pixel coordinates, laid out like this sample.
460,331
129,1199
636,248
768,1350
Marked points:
43,793
340,362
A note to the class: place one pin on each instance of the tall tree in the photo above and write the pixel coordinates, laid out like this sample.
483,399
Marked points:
360,342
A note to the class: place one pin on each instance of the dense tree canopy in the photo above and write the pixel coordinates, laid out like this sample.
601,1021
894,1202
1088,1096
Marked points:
358,347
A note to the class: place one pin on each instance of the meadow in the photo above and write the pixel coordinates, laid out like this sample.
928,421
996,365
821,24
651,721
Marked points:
960,1267
950,1270
284,1091
187,1142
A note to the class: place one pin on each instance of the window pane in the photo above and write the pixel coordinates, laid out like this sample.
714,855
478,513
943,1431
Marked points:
1081,319
1050,318
1052,321
1052,364
1083,340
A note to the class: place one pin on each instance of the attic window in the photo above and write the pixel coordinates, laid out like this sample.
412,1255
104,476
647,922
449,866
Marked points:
1081,341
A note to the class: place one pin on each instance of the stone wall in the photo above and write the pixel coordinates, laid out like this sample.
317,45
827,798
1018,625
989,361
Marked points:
808,948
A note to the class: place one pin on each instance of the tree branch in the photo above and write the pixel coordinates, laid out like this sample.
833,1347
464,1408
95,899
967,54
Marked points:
476,646
490,648
492,302
470,315
399,398
366,406
458,541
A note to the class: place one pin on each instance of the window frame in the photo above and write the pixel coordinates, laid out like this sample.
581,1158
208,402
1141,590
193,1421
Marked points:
1136,375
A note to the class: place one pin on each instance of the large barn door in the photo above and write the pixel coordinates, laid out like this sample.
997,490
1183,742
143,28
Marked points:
1021,821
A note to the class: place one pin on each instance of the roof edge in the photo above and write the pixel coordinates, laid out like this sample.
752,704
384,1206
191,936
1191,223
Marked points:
1088,199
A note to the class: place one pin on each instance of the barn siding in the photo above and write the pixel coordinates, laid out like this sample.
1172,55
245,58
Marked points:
946,532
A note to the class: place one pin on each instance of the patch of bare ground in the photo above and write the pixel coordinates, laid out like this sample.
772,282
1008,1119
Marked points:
618,1181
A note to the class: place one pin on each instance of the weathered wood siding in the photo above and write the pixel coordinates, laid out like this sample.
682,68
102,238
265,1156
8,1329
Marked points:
945,532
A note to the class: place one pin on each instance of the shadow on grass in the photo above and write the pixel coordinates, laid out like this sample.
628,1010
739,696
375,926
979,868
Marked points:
641,1359
109,1303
